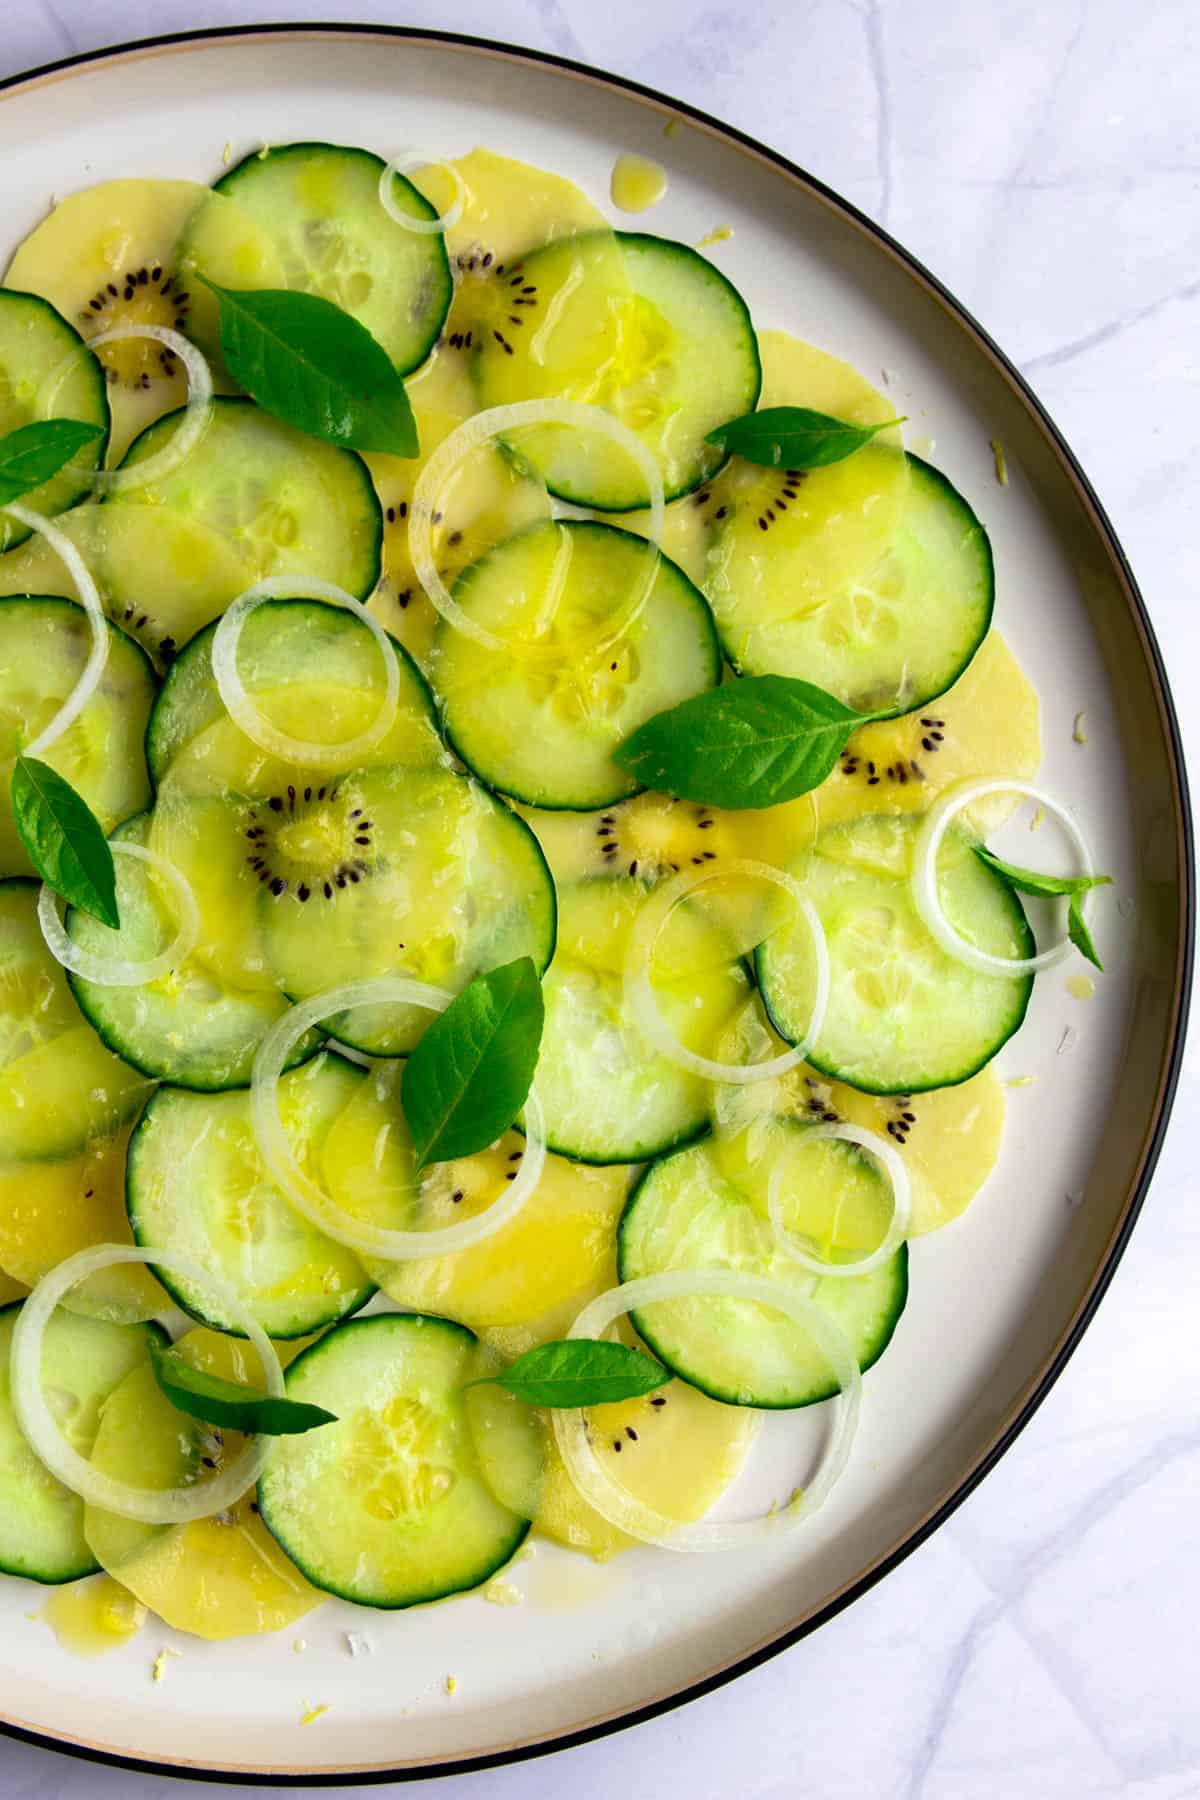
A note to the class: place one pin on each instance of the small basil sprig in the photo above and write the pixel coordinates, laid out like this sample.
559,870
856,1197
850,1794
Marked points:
65,842
579,1372
228,1404
33,453
470,1075
755,742
794,437
314,366
1052,887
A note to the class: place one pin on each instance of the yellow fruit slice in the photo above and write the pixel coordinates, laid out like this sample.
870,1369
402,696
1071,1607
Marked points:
222,1577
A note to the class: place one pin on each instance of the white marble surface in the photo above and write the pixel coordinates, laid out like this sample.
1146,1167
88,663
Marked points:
1045,161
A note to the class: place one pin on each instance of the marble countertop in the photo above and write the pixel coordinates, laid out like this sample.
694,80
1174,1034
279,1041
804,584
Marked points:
1045,162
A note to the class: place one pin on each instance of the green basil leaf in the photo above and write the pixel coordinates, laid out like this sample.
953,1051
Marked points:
312,365
1079,934
1042,887
228,1404
581,1372
64,840
33,453
754,742
470,1075
794,437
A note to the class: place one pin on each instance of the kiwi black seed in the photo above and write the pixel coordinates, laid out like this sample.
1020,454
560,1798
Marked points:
900,1125
308,842
149,294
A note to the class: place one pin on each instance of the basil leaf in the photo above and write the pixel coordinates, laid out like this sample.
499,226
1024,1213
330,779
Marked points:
1079,934
312,365
33,453
755,742
1042,887
470,1075
64,840
794,437
581,1372
229,1404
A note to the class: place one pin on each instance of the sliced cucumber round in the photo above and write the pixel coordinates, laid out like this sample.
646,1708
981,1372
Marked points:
59,1086
48,372
640,325
196,1182
44,647
389,1506
41,1521
317,674
319,206
903,1016
895,637
606,1095
286,503
199,1026
688,1212
439,881
542,724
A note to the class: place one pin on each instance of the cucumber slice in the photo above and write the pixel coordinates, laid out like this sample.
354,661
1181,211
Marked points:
161,577
319,206
689,1212
895,638
233,1220
543,725
44,647
902,1015
606,1096
286,503
47,372
198,1027
318,674
41,1521
59,1086
447,884
217,1578
641,325
388,1507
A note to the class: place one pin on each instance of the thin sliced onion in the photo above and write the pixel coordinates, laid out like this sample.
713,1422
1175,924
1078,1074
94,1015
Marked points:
924,875
242,709
197,414
616,1504
89,599
897,1229
639,991
107,971
313,1201
454,450
404,165
168,1506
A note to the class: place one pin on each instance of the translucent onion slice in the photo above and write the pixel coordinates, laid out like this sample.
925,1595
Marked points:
454,450
897,1229
113,971
924,875
313,1201
89,599
241,707
169,1506
404,165
640,993
616,1504
197,415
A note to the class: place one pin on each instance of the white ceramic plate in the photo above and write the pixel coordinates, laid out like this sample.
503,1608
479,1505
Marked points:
997,1299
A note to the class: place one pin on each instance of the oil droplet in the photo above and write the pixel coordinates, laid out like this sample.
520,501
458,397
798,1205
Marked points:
502,1593
637,183
94,1616
1081,987
717,235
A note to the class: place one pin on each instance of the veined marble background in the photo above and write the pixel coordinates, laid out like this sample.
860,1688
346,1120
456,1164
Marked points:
1043,157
